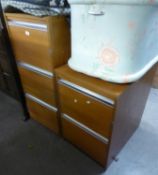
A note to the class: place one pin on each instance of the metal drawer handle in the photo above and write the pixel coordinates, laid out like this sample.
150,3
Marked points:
35,69
42,103
86,129
6,74
30,25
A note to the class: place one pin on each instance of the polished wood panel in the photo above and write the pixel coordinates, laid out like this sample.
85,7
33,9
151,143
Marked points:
33,49
101,87
43,115
93,147
92,113
129,111
45,49
38,85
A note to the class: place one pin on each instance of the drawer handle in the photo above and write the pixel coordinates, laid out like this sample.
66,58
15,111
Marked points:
96,10
86,129
40,102
35,69
30,25
101,13
27,33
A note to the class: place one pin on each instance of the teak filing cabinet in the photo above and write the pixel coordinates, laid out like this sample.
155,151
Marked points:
97,116
40,45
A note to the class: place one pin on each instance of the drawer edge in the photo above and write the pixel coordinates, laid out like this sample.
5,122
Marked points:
30,25
42,103
35,69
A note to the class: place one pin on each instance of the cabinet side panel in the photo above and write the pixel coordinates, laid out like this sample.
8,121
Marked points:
129,111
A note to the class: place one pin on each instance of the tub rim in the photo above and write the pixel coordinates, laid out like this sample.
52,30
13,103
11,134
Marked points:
127,2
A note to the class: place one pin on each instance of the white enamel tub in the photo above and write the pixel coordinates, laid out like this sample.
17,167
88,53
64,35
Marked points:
114,40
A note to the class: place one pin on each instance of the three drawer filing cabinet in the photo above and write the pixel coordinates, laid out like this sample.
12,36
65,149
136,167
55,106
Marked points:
97,116
40,45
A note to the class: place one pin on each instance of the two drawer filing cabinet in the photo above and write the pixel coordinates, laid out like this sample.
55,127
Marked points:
97,116
40,45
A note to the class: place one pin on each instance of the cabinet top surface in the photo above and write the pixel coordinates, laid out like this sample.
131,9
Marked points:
30,17
101,87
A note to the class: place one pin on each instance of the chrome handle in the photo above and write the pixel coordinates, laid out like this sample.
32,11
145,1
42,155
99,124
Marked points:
101,13
30,25
35,69
6,74
86,129
42,103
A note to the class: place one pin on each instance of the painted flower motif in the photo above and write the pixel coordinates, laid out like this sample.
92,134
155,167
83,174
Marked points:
109,57
152,1
131,25
126,78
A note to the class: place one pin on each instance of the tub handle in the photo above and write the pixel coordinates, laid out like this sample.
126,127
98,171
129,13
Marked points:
101,13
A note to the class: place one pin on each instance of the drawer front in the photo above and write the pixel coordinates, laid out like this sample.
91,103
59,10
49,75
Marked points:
93,147
31,45
38,85
85,109
42,114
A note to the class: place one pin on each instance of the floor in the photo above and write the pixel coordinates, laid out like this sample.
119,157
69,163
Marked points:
27,148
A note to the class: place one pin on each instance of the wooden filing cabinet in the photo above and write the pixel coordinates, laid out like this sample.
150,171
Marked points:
97,116
40,45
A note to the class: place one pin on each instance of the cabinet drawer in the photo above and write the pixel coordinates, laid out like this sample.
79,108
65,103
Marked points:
38,85
43,113
86,109
86,142
30,43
